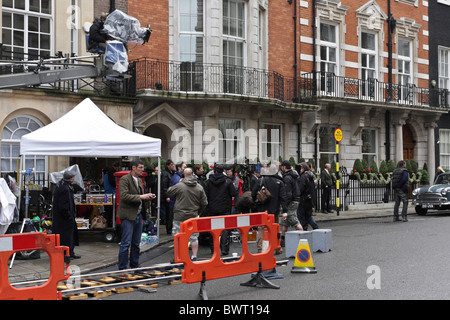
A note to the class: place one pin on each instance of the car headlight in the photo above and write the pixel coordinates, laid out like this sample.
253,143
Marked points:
445,191
415,192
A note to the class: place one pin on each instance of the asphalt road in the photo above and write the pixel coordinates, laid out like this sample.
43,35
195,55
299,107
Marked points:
371,259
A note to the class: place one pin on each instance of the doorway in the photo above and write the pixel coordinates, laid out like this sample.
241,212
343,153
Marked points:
409,143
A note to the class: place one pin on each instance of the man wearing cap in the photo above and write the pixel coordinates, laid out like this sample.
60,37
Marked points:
64,213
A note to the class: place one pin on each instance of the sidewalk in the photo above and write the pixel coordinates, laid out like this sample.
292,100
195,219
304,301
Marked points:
96,254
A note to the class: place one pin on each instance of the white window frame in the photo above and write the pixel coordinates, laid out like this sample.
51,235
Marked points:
191,33
444,148
446,2
191,69
444,68
27,13
327,155
269,144
328,45
231,138
40,173
369,155
401,63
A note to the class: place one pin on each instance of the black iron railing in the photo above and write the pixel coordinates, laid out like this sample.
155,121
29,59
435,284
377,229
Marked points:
212,79
326,84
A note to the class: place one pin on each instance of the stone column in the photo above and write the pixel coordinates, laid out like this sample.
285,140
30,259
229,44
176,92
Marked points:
398,141
431,161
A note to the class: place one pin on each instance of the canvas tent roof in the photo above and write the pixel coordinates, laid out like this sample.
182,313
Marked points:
86,131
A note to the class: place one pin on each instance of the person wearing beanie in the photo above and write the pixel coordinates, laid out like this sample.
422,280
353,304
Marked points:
63,209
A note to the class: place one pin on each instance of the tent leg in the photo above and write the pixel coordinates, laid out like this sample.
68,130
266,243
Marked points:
158,200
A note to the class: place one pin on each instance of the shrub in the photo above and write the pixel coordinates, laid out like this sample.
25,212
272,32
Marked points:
357,166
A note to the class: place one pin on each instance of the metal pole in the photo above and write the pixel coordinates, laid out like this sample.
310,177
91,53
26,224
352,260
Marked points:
158,200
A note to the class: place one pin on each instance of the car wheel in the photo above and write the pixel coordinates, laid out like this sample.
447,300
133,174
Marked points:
421,211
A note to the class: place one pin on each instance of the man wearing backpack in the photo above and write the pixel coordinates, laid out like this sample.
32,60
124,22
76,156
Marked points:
400,184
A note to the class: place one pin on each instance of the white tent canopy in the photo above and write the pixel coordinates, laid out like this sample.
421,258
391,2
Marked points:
86,131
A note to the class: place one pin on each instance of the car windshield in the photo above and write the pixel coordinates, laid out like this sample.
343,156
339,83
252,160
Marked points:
443,179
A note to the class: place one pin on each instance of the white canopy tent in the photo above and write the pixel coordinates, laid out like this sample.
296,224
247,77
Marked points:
87,132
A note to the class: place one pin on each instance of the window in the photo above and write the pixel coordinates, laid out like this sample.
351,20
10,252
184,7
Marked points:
231,143
10,147
444,71
327,146
328,48
191,44
368,63
444,147
27,28
404,68
271,142
233,45
261,38
328,57
369,145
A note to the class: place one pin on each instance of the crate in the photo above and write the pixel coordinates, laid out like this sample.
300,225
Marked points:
82,224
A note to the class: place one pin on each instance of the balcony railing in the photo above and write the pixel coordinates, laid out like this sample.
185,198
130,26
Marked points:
194,77
325,84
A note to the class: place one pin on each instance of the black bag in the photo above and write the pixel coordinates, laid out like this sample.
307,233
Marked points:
263,194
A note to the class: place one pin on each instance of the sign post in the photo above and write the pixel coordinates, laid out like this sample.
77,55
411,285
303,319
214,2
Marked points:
338,137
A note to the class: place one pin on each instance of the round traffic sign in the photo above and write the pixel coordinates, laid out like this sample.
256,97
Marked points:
338,135
303,255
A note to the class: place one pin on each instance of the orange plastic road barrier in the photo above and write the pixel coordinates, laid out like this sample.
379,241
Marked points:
9,244
215,268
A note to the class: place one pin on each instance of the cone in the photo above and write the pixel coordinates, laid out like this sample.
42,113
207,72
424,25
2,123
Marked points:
303,259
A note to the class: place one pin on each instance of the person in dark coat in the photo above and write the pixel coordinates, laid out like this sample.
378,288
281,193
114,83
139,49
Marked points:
274,183
166,177
307,197
97,36
219,193
64,213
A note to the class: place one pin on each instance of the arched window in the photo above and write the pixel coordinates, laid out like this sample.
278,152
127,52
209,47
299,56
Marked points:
10,148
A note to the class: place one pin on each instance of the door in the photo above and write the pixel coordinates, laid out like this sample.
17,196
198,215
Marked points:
409,144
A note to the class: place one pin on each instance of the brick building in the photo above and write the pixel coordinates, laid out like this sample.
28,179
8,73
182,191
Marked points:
302,68
275,77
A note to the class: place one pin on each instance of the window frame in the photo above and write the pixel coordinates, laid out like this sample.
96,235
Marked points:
40,172
267,144
27,33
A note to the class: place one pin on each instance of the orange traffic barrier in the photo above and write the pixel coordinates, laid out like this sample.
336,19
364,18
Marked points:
12,243
215,268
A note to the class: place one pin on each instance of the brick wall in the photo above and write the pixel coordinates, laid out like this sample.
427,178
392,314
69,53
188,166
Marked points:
155,13
105,5
281,37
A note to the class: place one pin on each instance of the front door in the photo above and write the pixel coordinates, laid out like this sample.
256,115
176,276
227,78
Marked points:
409,144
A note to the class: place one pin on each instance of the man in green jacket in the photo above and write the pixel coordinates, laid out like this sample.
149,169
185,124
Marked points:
191,201
131,193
